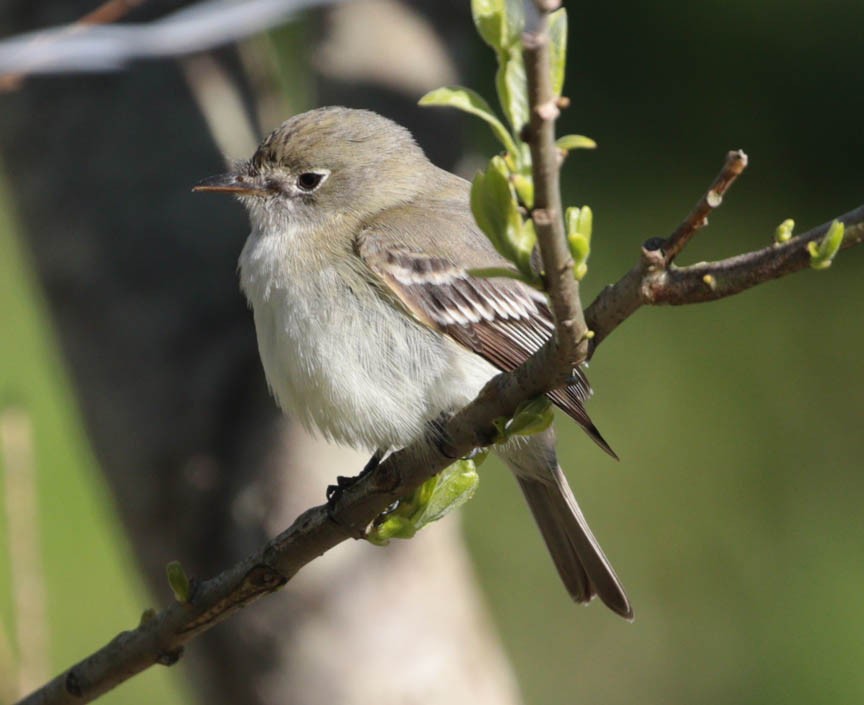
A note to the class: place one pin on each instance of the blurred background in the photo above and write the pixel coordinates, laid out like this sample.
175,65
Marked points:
136,426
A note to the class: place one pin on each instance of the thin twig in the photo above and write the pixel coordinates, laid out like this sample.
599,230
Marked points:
736,162
618,301
650,282
709,281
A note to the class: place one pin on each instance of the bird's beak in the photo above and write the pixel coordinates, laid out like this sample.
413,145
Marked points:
233,183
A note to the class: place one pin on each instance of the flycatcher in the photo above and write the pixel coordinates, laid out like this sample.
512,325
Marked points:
370,327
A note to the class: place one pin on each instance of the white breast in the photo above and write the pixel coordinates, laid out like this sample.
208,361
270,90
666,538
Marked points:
340,358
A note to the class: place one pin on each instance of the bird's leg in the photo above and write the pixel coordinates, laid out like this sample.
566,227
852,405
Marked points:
343,483
436,430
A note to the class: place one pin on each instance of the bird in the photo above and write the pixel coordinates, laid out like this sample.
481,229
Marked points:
369,322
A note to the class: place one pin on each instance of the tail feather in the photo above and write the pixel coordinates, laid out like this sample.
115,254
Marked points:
583,568
580,561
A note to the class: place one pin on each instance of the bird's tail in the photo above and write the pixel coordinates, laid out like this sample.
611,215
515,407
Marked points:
583,568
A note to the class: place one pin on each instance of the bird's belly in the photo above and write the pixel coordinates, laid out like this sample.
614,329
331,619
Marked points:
371,385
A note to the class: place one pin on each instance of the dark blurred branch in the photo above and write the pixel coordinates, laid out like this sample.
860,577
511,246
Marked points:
107,12
203,26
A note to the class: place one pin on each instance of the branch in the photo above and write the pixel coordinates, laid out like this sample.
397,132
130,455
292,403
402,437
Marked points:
736,162
202,26
547,214
654,280
108,12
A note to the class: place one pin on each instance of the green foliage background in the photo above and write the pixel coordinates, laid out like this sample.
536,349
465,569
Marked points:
734,517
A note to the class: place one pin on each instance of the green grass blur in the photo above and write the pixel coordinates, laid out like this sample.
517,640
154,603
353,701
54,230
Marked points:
92,589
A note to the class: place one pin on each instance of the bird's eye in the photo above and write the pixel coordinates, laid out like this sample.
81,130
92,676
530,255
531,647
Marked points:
309,181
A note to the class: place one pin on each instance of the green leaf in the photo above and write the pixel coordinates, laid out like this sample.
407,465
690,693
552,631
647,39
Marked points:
783,233
492,198
512,89
471,102
579,223
489,19
558,48
524,186
456,485
496,210
822,252
179,582
570,142
499,22
531,417
524,238
433,500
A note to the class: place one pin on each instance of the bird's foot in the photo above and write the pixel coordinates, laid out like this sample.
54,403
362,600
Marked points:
343,483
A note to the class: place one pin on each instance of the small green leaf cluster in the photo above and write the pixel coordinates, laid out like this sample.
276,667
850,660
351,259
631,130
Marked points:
502,195
822,253
579,222
438,496
783,233
180,584
533,416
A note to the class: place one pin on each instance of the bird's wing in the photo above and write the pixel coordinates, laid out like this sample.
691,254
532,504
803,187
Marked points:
500,319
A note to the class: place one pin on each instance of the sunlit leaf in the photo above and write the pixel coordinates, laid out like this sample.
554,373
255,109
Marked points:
570,142
531,417
579,223
471,102
558,48
496,210
490,21
783,233
499,22
433,500
179,582
491,197
512,90
822,252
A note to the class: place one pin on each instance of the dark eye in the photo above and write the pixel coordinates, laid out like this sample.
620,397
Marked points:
309,181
